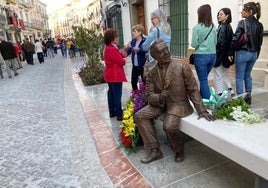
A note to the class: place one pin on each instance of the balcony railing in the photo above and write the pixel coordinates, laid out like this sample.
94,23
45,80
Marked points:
23,3
44,16
11,1
27,24
2,19
37,24
30,4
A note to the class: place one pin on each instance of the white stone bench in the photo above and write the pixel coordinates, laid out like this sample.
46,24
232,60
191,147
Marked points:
246,145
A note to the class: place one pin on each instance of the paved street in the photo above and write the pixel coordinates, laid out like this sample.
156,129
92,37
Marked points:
44,138
54,132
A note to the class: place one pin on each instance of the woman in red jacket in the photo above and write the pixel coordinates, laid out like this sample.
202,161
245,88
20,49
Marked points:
114,73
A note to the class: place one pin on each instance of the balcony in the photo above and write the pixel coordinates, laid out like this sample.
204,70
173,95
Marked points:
24,3
2,19
43,15
37,24
11,1
30,4
27,24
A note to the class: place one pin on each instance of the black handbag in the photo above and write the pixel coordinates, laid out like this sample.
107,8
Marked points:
191,58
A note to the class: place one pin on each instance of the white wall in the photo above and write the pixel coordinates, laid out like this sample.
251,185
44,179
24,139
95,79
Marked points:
193,5
149,6
126,25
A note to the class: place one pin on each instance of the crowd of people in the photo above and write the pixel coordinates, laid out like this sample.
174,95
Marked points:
12,54
170,84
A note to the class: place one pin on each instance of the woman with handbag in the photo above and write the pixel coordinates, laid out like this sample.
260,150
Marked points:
224,38
204,39
247,53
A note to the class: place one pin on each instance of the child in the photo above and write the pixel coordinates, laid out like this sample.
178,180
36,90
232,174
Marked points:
134,47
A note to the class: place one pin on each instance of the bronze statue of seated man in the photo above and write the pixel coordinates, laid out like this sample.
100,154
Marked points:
170,86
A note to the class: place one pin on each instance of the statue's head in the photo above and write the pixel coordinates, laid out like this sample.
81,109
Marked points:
160,51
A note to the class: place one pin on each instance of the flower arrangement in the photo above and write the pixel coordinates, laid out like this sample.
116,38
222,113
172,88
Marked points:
129,133
238,110
215,101
231,108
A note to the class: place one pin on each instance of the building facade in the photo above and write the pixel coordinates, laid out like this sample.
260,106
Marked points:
23,18
75,13
182,15
123,14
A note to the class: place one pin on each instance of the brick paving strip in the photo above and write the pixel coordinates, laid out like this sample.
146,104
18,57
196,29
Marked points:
121,172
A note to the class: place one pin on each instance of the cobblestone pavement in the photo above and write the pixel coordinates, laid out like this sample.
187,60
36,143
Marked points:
44,138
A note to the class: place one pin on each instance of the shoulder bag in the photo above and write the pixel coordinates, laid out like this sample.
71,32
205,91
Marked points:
148,65
191,58
243,38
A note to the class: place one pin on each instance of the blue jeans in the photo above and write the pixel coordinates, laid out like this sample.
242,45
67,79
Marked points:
203,64
114,98
244,62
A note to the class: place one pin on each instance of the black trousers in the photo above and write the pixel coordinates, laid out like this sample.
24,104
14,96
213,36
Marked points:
136,72
29,58
40,57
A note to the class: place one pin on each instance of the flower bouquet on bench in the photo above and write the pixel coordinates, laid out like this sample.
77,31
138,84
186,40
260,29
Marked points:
216,101
238,110
232,108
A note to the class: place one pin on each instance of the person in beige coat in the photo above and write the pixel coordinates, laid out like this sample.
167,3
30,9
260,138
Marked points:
170,86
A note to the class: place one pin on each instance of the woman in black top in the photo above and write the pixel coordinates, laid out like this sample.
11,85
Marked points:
224,38
247,54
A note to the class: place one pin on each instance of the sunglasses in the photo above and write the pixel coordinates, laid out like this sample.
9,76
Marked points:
153,18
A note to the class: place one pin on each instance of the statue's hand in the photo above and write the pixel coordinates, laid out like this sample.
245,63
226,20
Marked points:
162,99
207,116
164,93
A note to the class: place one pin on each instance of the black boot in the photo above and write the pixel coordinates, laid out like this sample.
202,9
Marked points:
248,98
179,157
153,156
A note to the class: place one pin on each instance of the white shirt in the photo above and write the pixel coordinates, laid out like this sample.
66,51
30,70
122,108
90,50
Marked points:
38,47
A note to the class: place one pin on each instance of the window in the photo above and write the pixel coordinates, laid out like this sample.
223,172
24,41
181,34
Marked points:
164,5
177,14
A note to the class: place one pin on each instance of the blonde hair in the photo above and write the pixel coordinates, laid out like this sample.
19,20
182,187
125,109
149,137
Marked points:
139,28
